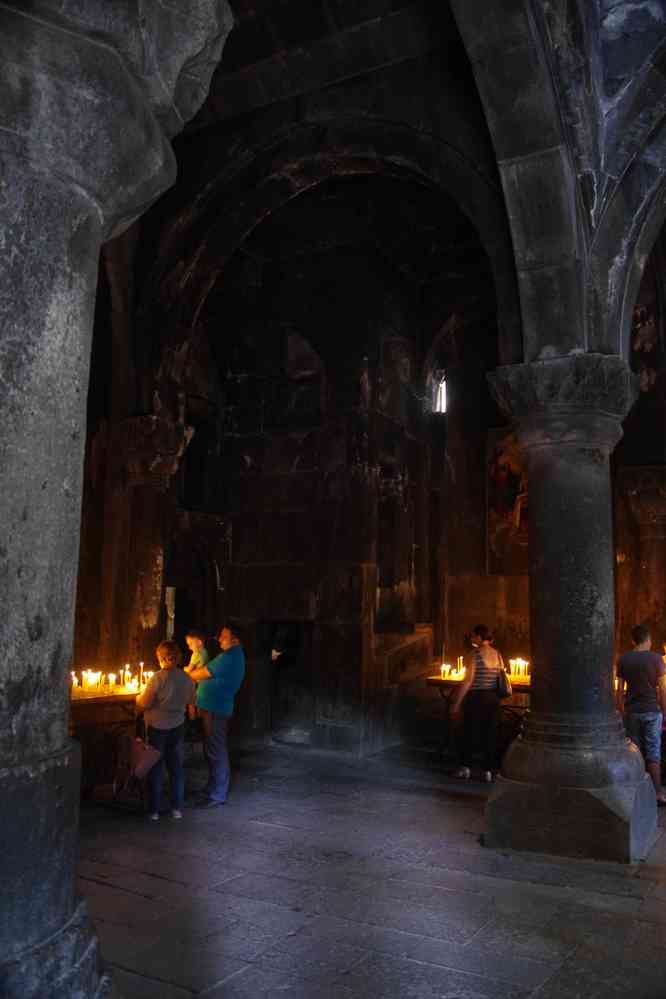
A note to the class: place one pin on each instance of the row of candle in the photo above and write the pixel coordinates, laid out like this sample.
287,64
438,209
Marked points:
107,683
456,672
519,669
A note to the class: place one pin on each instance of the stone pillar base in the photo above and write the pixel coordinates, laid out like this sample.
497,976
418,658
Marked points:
65,965
616,823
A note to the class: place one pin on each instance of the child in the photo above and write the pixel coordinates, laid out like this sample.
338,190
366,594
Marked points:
163,703
195,642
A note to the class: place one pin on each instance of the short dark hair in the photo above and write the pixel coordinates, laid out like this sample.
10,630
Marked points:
233,628
640,633
485,634
195,633
168,645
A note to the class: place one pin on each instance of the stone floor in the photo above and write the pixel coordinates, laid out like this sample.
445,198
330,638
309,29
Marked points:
345,880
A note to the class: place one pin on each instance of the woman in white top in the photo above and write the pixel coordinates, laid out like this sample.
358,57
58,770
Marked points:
163,703
478,698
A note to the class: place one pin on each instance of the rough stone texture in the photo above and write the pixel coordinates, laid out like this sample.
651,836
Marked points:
347,879
583,90
643,490
572,769
172,51
76,116
570,174
305,501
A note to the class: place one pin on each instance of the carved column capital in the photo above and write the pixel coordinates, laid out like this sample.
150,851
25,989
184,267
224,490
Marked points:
90,97
581,399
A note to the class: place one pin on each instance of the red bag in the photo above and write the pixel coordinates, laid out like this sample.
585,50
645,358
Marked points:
144,758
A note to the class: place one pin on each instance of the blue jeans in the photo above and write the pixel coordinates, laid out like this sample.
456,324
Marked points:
216,753
171,743
645,731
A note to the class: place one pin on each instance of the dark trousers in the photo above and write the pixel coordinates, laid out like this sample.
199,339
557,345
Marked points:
480,723
216,753
171,744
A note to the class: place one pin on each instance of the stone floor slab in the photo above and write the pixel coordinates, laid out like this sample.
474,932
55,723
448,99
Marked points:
194,965
511,969
310,956
131,986
346,879
400,978
265,888
458,923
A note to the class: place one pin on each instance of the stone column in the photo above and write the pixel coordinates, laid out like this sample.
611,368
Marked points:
83,149
572,784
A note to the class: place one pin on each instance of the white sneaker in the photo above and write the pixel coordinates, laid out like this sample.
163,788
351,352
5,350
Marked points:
154,816
463,773
176,814
488,776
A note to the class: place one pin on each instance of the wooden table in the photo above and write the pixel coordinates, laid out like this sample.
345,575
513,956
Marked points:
97,721
520,695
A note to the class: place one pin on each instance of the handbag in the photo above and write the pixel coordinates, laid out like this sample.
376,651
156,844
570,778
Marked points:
504,688
144,758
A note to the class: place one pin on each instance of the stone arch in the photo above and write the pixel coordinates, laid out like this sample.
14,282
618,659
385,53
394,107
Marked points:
513,76
627,233
218,220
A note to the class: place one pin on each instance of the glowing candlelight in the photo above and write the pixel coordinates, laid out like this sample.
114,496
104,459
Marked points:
126,674
140,674
519,668
75,679
112,679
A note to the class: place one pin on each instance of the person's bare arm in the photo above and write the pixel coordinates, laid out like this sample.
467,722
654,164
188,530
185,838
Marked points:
201,673
661,694
193,695
457,698
147,698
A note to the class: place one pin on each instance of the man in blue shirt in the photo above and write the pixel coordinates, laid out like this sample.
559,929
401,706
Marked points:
217,685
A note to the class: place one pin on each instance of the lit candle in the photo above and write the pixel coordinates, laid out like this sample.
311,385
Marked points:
112,680
126,674
140,674
519,668
75,679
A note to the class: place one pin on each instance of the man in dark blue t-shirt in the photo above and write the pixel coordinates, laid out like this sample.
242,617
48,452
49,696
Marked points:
217,685
642,672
